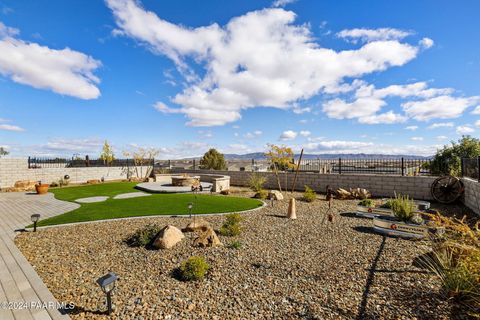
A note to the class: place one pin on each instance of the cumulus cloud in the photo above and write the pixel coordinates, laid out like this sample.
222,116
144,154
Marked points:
441,138
288,135
466,129
411,128
253,135
476,110
163,108
477,123
441,107
441,125
261,58
282,3
416,138
63,71
426,43
9,127
367,35
305,133
387,118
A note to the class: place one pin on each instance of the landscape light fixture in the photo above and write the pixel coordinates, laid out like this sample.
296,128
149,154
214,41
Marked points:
107,283
35,217
190,206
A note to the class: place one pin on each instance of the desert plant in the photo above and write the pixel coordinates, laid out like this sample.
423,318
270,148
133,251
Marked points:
235,245
232,226
256,182
403,208
262,194
213,160
280,159
3,152
107,153
143,236
194,268
309,195
369,203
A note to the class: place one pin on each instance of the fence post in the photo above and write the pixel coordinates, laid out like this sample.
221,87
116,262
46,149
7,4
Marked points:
194,165
478,168
339,165
403,166
253,164
87,161
169,164
28,162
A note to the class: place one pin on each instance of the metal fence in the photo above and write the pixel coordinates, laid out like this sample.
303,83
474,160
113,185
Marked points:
44,162
398,166
471,168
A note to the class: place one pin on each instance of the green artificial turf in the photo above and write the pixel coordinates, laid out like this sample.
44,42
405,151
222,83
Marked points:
155,204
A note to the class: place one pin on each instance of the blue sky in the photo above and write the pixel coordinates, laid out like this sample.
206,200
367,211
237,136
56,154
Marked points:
183,76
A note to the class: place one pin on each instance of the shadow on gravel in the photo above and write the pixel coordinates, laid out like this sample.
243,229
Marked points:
352,215
78,310
276,216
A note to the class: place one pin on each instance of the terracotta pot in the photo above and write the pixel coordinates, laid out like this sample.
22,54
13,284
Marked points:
41,188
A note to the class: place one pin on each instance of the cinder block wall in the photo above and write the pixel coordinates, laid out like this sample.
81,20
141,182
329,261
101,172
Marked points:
12,170
379,185
471,198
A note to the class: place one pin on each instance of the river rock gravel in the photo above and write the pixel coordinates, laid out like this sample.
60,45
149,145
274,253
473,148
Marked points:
286,269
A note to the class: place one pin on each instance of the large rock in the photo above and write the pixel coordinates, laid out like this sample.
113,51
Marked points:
275,195
168,237
292,210
94,181
197,225
207,238
25,185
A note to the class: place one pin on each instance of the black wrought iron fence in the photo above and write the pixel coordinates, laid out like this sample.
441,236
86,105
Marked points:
471,168
45,162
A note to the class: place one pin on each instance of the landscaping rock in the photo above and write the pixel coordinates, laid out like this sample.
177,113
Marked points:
91,199
275,195
207,238
168,237
292,210
93,181
24,185
196,225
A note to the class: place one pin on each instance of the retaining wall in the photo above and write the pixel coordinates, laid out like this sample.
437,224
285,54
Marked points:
471,198
12,170
378,185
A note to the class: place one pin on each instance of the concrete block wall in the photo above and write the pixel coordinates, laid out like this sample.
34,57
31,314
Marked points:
379,185
471,198
12,170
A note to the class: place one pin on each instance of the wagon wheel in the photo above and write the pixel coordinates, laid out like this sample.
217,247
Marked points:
447,189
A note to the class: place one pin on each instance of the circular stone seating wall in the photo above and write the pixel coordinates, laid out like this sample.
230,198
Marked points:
219,182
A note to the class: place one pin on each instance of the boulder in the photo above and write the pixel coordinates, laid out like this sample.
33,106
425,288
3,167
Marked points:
360,193
343,194
196,225
207,238
93,181
275,195
168,237
25,185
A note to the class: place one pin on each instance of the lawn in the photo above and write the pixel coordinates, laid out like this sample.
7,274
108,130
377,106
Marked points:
156,204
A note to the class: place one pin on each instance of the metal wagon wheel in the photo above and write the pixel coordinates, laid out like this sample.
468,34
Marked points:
447,189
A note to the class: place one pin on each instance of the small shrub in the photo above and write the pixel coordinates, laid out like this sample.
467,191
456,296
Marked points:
54,184
193,269
309,195
262,194
388,204
235,245
143,236
256,182
232,226
225,192
403,208
369,203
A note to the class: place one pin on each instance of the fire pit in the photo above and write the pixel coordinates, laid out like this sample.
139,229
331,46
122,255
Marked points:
185,181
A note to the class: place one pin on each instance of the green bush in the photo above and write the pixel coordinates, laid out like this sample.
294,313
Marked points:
194,268
309,195
232,226
262,194
143,236
403,208
388,204
235,245
213,160
369,203
448,159
256,182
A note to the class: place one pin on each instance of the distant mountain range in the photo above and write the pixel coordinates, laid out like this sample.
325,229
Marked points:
261,156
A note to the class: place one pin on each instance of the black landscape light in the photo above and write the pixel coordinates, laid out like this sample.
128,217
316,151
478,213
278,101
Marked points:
190,206
35,217
107,283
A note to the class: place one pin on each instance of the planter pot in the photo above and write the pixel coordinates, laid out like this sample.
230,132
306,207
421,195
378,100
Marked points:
41,188
393,227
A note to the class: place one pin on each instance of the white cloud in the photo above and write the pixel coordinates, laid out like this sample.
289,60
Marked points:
288,135
386,118
476,110
305,133
442,107
416,138
63,71
9,127
367,35
282,3
298,110
253,135
426,43
466,129
337,146
259,59
411,128
477,123
441,125
442,138
163,108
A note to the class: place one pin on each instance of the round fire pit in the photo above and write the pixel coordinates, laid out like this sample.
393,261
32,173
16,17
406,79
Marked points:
185,181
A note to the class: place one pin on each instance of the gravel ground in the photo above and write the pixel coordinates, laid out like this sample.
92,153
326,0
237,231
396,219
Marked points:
285,269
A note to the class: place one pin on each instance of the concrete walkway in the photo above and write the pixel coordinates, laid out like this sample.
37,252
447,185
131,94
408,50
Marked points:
20,285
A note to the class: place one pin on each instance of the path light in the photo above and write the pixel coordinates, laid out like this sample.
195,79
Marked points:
35,217
190,206
107,283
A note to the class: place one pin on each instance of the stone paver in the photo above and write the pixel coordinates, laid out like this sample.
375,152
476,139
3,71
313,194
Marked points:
92,199
19,283
131,195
